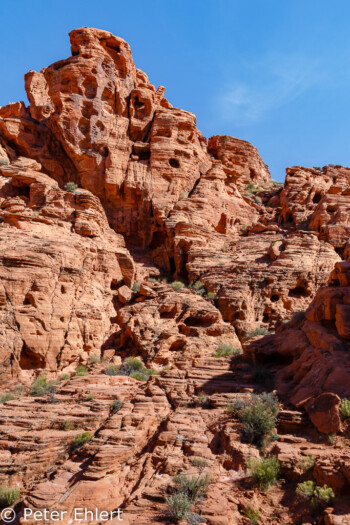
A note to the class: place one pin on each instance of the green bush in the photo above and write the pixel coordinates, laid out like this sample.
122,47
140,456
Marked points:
116,406
258,200
316,495
179,506
134,368
227,350
95,359
111,370
90,396
345,408
67,425
65,377
211,295
201,400
318,168
194,487
307,463
80,440
71,187
136,287
257,331
252,515
177,285
81,371
41,386
264,471
139,376
258,418
6,397
184,195
9,495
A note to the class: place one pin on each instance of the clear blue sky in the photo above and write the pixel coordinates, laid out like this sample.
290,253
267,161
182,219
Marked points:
273,72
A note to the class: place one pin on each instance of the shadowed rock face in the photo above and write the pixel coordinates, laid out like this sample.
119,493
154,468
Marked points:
107,194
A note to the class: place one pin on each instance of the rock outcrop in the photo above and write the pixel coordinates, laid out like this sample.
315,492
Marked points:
109,194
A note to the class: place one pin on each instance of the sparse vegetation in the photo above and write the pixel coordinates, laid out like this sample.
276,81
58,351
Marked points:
95,359
318,168
67,425
6,397
332,438
90,396
71,187
264,471
307,463
345,408
201,400
111,370
9,495
136,287
252,515
224,350
65,377
116,406
211,295
177,285
4,162
134,368
188,491
41,386
258,417
80,440
179,506
256,332
316,495
184,195
258,200
81,371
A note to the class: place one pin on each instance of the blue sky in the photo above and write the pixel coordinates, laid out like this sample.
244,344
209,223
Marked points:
273,72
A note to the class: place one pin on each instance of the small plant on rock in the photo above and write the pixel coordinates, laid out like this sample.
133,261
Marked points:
80,440
316,495
65,377
307,463
134,368
264,471
256,332
71,187
177,285
6,397
116,406
136,287
345,408
111,370
252,515
95,359
67,425
81,371
41,386
179,506
227,350
9,495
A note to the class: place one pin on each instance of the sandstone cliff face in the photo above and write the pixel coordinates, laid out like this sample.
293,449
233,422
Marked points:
107,194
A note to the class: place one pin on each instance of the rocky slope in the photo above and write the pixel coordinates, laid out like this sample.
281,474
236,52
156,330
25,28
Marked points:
108,194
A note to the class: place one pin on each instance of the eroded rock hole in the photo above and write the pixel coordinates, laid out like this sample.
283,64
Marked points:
298,292
174,163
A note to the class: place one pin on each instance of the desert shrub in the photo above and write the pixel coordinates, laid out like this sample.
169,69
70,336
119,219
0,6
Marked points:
134,368
136,287
177,285
6,397
71,187
332,438
9,495
235,407
80,440
67,425
345,408
316,495
257,331
111,370
252,515
318,168
264,471
201,400
258,418
153,280
194,487
263,376
227,350
307,463
258,200
95,358
179,506
81,371
41,386
184,195
4,162
116,406
250,186
65,377
90,396
211,295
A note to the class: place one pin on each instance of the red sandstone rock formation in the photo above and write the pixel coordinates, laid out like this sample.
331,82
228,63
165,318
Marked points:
83,274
